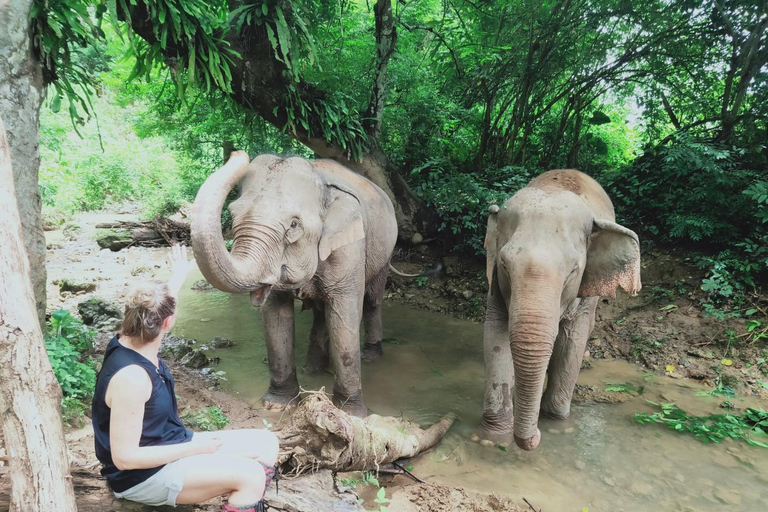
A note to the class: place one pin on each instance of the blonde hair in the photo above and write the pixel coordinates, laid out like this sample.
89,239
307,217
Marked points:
146,307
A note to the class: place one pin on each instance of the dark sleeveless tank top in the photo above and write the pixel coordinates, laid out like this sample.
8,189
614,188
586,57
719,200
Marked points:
162,425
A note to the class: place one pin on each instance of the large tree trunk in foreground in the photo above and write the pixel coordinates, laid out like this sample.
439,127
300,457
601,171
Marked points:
30,397
320,435
21,85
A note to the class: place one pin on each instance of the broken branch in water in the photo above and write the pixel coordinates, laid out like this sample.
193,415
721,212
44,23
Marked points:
319,435
529,504
408,473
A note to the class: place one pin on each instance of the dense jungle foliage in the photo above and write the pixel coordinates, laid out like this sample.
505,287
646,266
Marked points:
663,102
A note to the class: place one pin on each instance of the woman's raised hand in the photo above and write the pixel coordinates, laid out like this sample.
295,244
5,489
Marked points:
180,267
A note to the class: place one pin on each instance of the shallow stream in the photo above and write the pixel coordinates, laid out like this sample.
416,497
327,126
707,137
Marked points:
597,459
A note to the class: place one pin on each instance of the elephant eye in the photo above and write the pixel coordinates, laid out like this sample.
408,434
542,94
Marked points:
294,224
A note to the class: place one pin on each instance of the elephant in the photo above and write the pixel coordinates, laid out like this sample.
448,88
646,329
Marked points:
309,230
553,249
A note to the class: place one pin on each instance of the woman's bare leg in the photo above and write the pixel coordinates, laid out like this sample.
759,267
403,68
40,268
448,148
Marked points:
213,475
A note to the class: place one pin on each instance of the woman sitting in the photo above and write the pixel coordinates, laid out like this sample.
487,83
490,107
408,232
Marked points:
148,455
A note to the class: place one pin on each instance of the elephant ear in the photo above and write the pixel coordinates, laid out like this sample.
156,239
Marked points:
613,260
491,243
343,223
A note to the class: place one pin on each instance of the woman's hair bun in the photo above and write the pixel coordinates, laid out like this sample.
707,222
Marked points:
145,295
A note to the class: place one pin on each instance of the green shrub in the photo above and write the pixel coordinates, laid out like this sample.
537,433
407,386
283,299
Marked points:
207,419
462,200
707,196
67,341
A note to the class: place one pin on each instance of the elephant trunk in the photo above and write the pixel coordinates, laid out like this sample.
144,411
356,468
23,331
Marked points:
221,269
533,326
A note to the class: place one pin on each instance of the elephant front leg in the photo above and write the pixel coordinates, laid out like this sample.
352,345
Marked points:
277,316
343,319
496,425
318,357
566,358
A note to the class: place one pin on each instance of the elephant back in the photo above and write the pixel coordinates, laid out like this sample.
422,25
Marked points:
582,185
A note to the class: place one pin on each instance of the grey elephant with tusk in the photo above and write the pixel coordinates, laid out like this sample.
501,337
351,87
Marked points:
552,250
311,230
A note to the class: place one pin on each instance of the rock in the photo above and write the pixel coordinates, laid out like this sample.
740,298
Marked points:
195,359
202,285
580,465
101,314
486,442
74,286
114,239
219,342
467,294
609,481
727,496
553,431
176,348
569,430
416,239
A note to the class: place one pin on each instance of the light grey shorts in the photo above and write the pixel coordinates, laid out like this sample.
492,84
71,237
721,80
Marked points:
163,487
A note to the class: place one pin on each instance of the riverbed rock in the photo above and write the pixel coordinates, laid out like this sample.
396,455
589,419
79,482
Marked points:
75,285
417,238
176,348
195,359
643,488
101,314
114,239
467,294
219,342
202,285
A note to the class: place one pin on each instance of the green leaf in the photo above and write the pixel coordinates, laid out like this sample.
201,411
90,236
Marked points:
56,103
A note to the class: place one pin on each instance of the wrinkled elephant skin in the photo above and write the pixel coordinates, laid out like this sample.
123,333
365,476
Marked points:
552,250
311,230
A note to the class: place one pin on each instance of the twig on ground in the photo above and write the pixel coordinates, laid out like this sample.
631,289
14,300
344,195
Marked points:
409,473
529,504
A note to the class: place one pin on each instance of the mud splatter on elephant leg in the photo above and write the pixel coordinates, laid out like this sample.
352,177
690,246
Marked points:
566,358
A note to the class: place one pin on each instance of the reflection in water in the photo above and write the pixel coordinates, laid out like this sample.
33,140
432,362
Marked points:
433,365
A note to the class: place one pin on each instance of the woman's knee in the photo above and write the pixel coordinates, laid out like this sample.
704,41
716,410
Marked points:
249,475
265,446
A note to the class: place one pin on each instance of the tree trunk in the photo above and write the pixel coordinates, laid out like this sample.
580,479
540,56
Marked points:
30,397
21,85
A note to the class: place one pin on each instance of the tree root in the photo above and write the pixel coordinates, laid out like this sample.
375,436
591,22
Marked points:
320,435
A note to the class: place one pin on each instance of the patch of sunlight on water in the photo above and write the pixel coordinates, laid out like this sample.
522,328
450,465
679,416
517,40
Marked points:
434,365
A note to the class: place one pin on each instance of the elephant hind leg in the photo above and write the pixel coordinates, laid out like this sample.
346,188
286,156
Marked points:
566,359
374,297
318,357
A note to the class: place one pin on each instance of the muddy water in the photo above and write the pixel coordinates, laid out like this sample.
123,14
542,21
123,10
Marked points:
433,365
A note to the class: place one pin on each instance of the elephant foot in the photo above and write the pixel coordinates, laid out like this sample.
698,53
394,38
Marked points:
277,401
492,438
353,405
372,351
529,443
556,412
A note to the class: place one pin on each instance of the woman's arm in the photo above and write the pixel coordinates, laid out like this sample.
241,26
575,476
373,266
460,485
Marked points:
127,393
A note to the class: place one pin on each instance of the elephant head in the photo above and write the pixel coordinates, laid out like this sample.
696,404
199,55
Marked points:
545,249
287,220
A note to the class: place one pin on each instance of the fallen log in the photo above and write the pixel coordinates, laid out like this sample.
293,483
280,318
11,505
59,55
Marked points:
319,435
161,231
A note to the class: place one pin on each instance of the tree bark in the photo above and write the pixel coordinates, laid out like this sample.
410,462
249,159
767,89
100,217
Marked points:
21,85
30,397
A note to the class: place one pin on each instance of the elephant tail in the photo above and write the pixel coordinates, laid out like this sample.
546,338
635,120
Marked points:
431,272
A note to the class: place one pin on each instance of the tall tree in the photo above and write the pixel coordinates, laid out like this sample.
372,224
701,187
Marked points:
30,397
21,86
